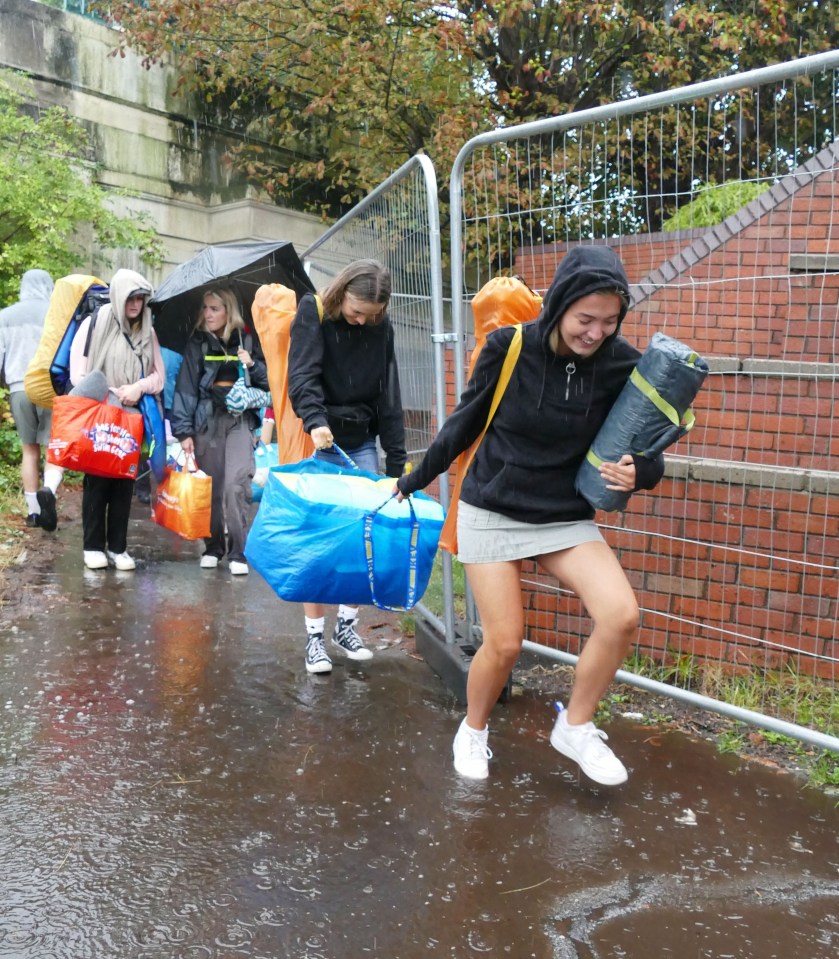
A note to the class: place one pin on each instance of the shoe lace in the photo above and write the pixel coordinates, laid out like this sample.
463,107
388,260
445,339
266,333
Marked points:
315,648
478,747
347,636
594,740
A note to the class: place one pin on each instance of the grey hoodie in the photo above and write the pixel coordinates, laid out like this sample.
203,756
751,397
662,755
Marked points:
21,325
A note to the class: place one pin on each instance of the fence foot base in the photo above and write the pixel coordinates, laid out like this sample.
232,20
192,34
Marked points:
451,661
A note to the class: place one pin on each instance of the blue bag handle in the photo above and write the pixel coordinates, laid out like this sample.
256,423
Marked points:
411,598
369,518
349,461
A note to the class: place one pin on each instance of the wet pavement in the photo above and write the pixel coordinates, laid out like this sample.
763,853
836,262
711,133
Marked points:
175,785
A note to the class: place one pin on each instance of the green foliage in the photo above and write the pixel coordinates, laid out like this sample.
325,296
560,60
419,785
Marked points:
714,203
48,193
350,91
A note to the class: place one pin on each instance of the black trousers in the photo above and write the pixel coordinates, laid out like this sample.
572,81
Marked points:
106,507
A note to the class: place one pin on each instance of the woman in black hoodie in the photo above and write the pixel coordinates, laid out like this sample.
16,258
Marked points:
343,383
518,499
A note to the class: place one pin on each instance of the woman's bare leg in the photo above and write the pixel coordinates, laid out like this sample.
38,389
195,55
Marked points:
593,572
497,591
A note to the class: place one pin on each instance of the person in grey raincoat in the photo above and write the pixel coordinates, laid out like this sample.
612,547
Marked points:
518,499
21,326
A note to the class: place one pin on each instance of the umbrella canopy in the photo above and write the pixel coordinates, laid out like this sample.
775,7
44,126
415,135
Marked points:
243,266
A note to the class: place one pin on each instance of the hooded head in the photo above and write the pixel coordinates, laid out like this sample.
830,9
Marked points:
124,285
36,285
583,271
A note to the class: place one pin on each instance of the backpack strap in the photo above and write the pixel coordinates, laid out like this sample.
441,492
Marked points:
448,534
319,305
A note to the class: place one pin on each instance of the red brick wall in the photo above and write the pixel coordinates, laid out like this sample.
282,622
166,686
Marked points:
743,573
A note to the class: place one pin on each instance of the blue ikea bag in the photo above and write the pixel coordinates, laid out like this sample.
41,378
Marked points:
154,434
330,534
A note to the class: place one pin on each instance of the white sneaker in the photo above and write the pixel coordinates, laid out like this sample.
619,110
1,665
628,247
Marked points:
122,560
586,745
209,562
237,568
471,753
95,559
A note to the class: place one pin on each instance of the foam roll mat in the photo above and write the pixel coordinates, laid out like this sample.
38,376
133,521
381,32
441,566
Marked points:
650,414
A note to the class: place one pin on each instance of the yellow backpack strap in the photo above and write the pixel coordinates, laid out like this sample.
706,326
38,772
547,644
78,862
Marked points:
448,534
506,373
319,305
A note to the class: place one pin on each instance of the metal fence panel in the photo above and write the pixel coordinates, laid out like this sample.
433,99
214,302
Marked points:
399,225
734,557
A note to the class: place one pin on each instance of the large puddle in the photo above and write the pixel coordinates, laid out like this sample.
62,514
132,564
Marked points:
175,785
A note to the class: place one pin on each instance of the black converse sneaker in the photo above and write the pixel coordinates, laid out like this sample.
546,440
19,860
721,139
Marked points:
316,659
345,637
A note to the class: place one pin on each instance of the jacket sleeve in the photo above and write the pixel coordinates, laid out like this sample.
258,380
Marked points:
390,417
185,400
78,361
258,373
305,366
648,472
464,425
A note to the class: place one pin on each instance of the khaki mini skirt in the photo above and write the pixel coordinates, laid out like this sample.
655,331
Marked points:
487,537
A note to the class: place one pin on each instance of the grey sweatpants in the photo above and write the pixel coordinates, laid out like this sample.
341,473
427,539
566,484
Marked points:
225,452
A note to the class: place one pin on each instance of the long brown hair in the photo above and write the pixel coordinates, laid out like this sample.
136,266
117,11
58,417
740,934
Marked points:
366,280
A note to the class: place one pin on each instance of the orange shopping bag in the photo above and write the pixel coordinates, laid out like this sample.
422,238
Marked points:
95,438
182,502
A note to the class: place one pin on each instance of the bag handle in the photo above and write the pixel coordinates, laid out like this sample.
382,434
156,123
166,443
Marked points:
411,596
348,460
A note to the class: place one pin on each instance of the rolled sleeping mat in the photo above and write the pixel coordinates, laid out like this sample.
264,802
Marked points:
650,414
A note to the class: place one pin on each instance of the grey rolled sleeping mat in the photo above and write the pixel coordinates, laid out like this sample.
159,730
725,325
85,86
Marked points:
650,414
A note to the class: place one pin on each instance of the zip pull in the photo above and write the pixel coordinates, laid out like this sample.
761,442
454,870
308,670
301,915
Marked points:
570,370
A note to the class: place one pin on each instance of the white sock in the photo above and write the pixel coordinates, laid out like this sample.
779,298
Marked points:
348,613
32,503
53,475
314,626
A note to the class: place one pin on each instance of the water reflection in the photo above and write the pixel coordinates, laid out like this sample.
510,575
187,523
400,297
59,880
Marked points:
175,785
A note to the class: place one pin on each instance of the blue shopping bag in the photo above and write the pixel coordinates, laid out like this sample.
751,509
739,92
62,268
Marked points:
333,534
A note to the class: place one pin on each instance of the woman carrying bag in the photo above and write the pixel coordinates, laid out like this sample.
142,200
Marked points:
118,349
344,385
222,442
519,500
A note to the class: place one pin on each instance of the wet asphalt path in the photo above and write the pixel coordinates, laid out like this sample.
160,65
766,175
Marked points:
173,785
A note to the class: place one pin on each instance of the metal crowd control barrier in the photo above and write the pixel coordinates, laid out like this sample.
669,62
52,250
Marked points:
735,557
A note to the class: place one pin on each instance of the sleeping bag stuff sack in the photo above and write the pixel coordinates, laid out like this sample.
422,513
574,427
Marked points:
73,299
650,414
327,534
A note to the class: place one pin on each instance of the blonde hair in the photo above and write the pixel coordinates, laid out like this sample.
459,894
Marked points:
366,280
230,304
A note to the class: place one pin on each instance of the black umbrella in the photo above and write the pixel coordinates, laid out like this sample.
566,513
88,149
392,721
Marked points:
243,266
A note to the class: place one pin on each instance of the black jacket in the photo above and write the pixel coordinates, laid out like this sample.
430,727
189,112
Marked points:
526,465
196,397
345,377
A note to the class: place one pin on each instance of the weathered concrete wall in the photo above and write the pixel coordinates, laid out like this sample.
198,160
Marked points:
148,137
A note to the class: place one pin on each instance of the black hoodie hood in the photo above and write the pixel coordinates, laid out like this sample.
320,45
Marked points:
584,270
